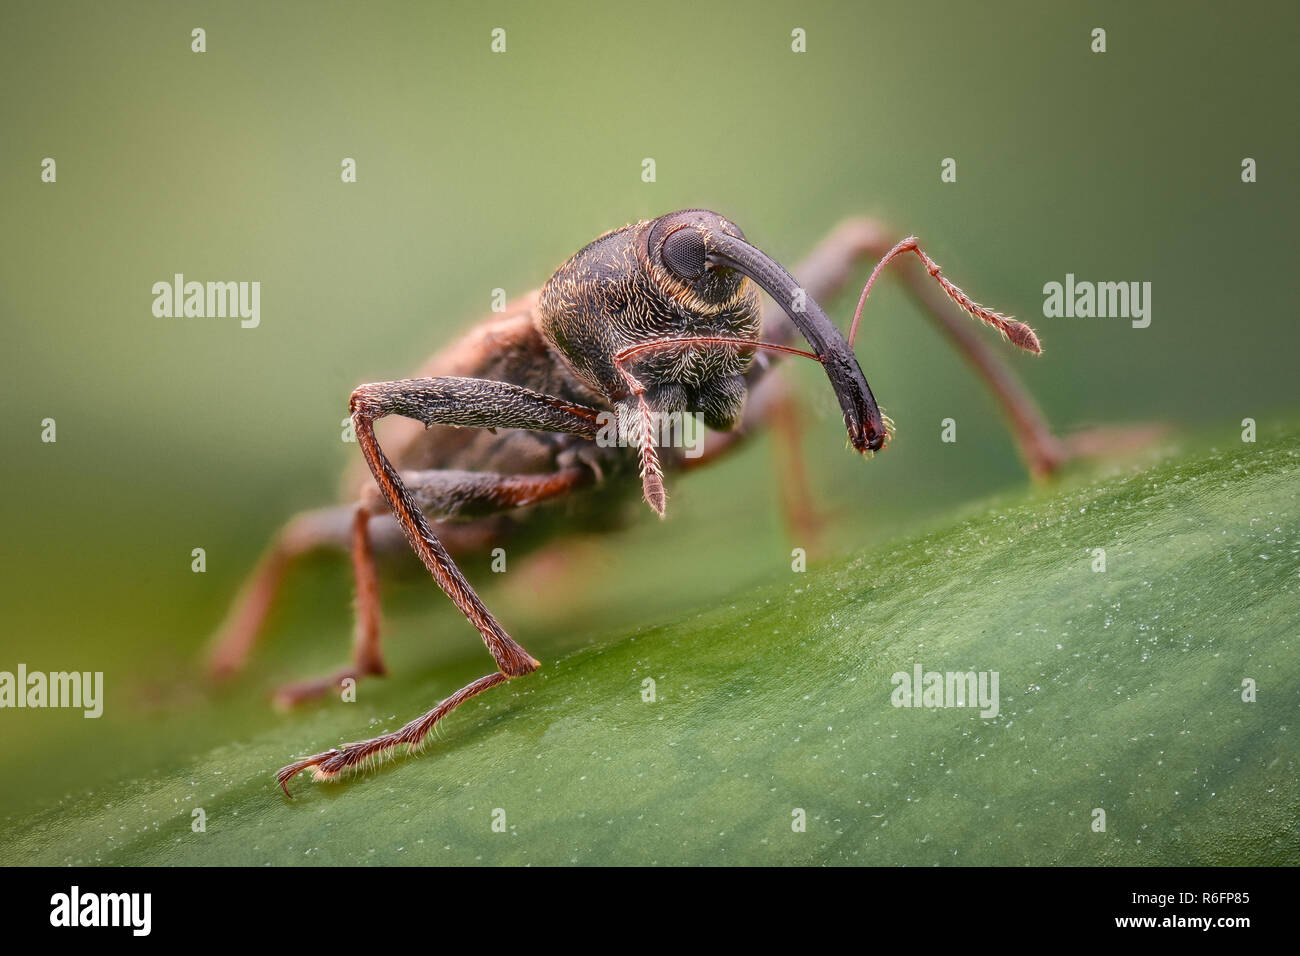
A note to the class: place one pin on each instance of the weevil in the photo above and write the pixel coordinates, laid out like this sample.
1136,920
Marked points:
661,317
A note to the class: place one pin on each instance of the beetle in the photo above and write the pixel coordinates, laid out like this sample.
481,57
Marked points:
661,317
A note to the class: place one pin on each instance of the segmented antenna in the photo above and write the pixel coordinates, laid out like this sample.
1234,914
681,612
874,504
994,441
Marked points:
652,476
1018,333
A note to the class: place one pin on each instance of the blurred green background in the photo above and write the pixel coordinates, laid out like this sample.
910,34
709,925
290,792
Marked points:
479,171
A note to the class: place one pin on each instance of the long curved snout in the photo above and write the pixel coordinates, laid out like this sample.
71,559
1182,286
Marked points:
862,418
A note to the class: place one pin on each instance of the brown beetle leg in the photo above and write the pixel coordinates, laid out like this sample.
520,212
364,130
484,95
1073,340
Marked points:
238,633
439,494
444,401
367,658
827,271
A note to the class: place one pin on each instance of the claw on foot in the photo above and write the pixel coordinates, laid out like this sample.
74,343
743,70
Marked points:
1113,439
335,761
1048,456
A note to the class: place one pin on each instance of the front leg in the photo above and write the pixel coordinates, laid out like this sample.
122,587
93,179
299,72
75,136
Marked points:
444,401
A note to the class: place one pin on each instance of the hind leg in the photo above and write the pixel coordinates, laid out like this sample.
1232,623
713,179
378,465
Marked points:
367,658
827,270
311,530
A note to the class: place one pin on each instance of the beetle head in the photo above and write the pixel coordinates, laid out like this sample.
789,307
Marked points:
687,274
646,282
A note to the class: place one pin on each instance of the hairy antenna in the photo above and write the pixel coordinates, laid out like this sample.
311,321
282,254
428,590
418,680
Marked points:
1017,332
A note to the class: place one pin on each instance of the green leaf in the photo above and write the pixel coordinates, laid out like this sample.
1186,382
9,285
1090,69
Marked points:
1119,690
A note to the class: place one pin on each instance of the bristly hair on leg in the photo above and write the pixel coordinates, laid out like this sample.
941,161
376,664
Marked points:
365,755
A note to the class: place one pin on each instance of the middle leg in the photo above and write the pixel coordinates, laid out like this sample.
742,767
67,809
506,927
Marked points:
439,494
367,658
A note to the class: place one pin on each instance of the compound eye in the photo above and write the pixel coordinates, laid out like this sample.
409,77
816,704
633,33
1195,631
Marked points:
684,253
